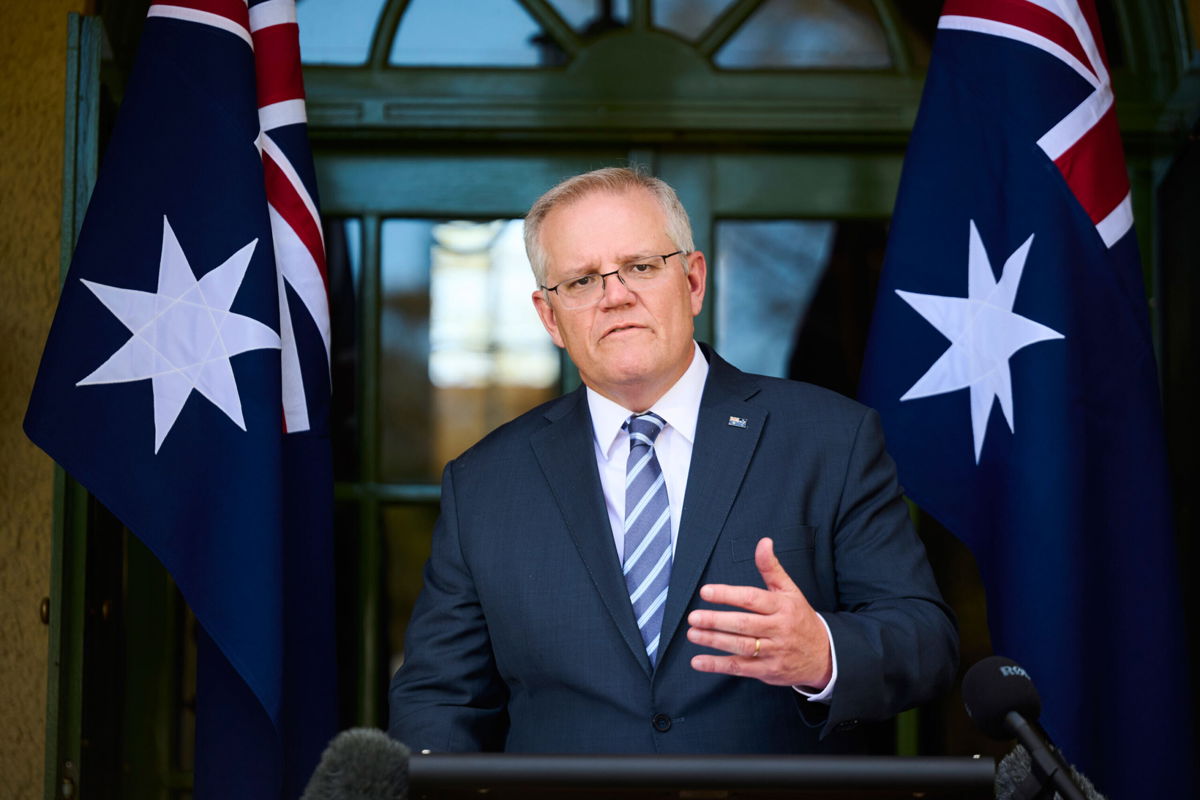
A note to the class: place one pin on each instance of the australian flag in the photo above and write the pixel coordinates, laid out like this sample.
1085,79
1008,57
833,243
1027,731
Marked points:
185,381
1010,357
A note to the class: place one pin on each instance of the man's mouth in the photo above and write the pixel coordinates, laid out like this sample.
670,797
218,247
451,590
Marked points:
616,329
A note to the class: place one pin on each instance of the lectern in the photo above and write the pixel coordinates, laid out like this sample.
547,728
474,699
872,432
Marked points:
494,776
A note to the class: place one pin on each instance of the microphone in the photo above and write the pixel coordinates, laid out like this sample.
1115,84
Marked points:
1002,700
1015,779
360,764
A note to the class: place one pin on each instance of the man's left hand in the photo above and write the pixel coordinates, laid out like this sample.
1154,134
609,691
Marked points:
778,639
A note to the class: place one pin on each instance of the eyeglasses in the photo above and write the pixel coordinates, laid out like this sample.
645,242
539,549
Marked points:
585,290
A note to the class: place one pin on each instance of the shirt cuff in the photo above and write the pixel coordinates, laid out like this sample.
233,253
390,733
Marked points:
826,694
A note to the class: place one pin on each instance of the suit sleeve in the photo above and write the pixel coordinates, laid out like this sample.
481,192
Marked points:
448,696
896,640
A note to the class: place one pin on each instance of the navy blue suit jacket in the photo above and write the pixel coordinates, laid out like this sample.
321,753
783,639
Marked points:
524,640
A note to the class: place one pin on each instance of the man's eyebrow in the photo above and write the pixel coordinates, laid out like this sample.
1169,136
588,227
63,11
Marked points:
637,257
592,267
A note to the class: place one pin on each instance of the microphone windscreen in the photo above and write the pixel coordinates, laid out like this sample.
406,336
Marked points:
1015,779
360,764
1012,772
995,686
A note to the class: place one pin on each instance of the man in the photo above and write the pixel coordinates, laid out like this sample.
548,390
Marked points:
676,558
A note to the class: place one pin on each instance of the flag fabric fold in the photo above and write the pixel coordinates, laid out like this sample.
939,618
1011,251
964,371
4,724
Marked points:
185,380
1010,358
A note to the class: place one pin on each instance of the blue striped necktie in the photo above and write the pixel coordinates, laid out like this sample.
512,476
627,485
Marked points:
647,557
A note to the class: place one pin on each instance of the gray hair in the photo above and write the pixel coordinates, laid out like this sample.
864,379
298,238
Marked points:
615,180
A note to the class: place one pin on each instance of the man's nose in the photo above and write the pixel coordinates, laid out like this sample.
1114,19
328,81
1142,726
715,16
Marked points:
616,293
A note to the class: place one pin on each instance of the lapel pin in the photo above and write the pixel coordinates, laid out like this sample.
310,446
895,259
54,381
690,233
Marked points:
737,422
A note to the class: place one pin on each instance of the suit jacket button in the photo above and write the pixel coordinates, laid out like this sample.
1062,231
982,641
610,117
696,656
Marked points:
661,722
846,725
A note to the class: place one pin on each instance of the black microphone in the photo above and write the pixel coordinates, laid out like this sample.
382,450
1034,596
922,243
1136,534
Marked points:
360,764
1002,700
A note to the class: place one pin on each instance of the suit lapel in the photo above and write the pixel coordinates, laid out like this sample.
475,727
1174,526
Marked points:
566,454
721,454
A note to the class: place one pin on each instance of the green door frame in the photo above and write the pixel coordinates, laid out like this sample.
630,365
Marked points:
68,563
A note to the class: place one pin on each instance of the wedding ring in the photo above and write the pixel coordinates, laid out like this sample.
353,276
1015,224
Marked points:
757,647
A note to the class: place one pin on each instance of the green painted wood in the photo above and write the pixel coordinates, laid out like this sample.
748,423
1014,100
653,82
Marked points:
368,343
372,677
898,45
908,730
818,185
64,701
644,85
434,183
371,680
639,14
80,129
68,567
152,675
388,492
628,86
385,31
1143,183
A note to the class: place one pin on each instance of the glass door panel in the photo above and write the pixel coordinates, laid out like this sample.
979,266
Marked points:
461,348
796,296
770,271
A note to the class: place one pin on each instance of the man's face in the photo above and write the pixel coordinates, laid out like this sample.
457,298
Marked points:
630,347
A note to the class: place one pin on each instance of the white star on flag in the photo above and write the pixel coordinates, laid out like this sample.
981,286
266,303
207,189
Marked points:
183,335
984,334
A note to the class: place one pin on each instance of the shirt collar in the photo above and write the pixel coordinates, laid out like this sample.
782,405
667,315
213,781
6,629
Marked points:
680,406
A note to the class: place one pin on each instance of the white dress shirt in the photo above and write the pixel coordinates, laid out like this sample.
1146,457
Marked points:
679,408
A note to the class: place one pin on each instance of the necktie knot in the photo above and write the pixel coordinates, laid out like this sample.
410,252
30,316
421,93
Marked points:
644,428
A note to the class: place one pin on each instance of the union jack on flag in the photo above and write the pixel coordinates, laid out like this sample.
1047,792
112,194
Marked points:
1010,359
185,380
1085,144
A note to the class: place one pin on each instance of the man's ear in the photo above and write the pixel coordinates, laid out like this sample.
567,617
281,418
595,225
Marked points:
697,277
546,314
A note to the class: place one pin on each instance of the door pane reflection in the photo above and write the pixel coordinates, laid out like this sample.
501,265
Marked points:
794,297
462,350
767,273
